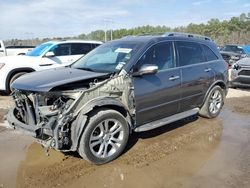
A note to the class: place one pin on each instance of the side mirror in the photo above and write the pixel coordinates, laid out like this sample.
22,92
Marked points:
49,54
146,69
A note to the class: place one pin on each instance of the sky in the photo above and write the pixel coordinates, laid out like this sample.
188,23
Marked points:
25,19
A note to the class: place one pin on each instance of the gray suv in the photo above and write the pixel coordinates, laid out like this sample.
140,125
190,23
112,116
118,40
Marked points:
136,83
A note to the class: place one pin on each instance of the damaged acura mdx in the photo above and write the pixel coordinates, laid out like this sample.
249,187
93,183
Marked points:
131,84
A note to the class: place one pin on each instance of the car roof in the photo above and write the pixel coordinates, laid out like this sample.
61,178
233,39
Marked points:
168,36
75,41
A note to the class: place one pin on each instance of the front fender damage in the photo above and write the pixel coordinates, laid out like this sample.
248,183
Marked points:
58,118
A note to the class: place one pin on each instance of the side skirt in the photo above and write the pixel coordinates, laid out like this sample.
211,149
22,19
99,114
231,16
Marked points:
167,120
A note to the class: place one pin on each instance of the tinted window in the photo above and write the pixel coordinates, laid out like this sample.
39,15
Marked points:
95,45
209,54
160,54
189,53
80,48
61,49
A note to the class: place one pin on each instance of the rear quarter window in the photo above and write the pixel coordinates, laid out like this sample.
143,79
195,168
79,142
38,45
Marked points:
80,48
208,53
61,49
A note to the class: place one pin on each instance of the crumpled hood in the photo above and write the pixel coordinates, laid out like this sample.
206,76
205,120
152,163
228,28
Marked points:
46,80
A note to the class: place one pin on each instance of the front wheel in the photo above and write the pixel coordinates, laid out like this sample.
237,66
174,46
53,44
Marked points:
12,79
105,136
213,103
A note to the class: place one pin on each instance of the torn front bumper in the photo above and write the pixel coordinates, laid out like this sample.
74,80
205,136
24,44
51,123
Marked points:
39,132
16,124
36,131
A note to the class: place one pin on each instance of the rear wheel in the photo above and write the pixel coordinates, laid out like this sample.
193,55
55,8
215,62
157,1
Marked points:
213,103
105,136
12,79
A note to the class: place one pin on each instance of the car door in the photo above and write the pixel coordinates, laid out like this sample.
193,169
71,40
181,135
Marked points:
60,58
157,95
62,53
197,74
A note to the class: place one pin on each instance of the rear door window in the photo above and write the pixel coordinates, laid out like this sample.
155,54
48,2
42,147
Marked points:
61,49
80,48
189,53
95,45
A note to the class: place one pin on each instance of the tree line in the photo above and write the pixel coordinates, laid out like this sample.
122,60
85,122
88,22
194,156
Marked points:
233,31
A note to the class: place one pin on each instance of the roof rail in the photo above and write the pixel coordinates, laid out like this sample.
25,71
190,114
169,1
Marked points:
151,34
145,34
172,34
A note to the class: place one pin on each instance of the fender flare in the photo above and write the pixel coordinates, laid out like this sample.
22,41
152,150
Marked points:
99,102
218,82
79,124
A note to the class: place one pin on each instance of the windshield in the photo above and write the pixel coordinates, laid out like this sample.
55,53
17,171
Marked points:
235,49
109,57
40,49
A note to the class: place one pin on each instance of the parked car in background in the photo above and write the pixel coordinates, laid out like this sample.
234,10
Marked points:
246,49
132,84
240,73
13,50
233,53
44,56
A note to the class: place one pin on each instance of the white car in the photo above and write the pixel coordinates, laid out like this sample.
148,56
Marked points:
13,50
45,56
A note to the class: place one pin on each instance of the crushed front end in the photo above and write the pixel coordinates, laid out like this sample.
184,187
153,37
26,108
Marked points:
57,119
43,116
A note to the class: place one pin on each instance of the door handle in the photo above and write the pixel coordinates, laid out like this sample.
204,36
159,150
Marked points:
207,70
172,78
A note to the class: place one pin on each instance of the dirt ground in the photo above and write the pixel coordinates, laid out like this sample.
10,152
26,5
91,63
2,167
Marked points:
194,152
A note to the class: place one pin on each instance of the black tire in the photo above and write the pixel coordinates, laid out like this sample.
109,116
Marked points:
12,79
206,110
97,119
